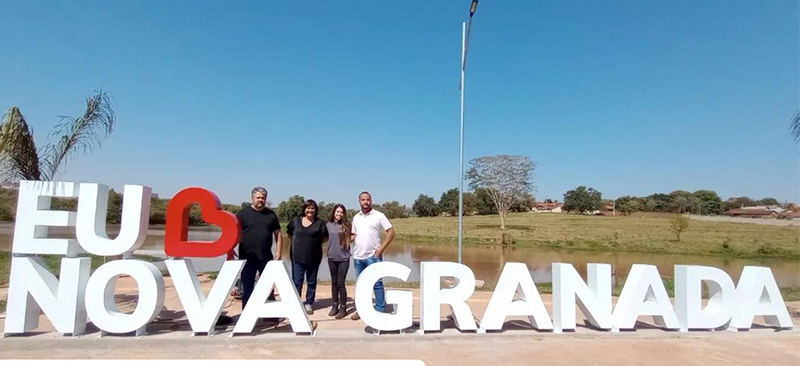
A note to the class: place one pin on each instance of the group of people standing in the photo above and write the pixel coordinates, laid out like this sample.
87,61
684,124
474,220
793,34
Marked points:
360,239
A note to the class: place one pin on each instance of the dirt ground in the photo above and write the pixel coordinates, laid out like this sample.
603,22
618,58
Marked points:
170,337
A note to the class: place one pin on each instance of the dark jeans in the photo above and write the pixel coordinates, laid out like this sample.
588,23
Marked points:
309,271
251,267
338,276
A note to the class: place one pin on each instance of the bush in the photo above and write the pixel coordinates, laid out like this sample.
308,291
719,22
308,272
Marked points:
394,210
6,214
678,224
425,206
290,209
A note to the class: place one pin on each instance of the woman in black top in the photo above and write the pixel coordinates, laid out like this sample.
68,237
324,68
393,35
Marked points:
306,235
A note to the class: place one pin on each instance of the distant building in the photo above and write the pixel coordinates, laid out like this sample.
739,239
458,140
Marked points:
553,207
610,207
756,211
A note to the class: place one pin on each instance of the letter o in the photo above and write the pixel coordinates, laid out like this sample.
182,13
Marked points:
101,307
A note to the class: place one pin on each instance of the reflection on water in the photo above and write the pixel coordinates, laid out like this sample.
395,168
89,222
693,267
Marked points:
487,261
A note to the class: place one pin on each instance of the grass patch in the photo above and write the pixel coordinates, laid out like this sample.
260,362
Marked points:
2,306
649,234
5,267
791,293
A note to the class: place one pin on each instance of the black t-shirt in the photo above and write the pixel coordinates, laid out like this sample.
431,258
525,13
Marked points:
307,241
257,233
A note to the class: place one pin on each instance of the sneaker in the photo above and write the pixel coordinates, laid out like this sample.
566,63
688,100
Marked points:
309,310
355,316
342,312
334,310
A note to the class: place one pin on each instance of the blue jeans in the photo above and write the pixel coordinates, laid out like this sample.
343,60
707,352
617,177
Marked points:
309,271
380,300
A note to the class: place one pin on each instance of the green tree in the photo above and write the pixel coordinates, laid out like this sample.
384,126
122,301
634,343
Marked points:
769,201
21,159
114,215
425,206
325,210
470,203
658,202
708,202
506,178
628,204
394,210
448,203
583,200
483,203
158,211
739,202
290,209
524,203
680,201
196,216
231,208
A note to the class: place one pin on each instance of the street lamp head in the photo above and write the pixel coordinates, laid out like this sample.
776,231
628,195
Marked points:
473,8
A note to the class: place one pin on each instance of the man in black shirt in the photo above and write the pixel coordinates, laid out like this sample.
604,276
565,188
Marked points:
260,226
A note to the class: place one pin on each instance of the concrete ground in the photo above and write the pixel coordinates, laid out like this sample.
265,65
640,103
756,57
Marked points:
170,337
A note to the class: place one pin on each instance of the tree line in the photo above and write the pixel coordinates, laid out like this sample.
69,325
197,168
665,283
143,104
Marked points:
700,202
478,202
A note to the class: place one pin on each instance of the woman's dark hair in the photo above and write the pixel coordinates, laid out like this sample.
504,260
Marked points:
307,204
344,226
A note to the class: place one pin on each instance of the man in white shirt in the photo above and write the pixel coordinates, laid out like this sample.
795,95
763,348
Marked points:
368,225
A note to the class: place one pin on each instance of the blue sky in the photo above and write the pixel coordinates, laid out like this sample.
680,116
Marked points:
326,99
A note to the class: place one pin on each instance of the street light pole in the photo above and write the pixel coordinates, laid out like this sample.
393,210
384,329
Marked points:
461,144
465,31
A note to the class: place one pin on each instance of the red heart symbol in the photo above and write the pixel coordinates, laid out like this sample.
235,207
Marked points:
176,233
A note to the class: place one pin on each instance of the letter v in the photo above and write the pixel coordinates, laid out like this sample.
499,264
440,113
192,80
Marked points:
202,312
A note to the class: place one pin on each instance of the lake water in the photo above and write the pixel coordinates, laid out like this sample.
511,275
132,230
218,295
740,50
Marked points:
487,261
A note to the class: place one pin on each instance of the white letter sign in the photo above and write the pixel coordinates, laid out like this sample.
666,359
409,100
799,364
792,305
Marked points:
34,217
402,318
102,308
593,299
201,312
722,297
274,275
33,289
644,294
760,295
502,304
432,295
91,223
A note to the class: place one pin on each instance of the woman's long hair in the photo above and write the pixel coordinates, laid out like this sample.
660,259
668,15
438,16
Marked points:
344,226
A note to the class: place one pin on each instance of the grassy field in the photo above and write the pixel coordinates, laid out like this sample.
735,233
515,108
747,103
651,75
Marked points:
636,233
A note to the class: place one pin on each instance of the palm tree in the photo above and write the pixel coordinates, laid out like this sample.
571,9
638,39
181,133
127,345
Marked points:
19,157
796,126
